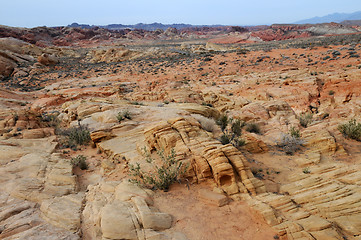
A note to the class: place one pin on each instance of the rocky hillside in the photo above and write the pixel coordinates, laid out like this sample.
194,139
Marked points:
80,36
266,134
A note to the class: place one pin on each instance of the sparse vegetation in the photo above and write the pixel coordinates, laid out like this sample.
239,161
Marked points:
352,129
51,119
125,114
137,103
295,132
162,176
305,119
79,161
306,170
331,92
207,124
253,128
231,134
290,144
79,135
222,122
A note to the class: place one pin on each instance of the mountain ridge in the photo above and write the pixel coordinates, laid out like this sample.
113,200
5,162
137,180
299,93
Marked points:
144,26
334,17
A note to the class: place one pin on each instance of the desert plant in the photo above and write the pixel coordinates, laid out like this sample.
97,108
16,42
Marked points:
79,161
294,132
222,122
305,119
79,135
253,128
207,124
306,170
290,144
331,92
236,127
231,134
352,129
162,176
225,139
51,119
125,114
137,103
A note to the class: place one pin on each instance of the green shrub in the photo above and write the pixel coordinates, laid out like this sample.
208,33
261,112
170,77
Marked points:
225,139
331,92
306,170
295,132
162,176
136,103
352,129
233,133
79,161
222,122
253,128
79,135
123,115
290,144
236,127
305,119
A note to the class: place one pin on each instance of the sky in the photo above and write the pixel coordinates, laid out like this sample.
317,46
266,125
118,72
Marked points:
33,13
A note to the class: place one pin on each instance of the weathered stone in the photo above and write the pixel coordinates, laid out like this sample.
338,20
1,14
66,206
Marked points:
63,211
150,219
117,222
213,198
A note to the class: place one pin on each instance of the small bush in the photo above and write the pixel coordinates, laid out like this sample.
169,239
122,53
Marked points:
207,104
51,119
253,128
222,122
236,127
79,161
239,142
331,92
352,129
137,103
225,139
79,135
123,115
295,132
305,119
233,133
306,170
290,144
162,176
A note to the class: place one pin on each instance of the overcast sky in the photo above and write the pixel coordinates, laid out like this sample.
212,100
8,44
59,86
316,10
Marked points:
32,13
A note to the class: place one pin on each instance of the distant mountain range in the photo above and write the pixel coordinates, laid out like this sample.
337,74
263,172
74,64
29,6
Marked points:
150,27
335,17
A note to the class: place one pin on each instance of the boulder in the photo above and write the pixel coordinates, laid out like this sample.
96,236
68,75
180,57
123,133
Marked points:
47,60
64,212
117,222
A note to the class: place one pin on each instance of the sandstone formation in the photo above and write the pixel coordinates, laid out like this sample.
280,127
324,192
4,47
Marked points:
135,91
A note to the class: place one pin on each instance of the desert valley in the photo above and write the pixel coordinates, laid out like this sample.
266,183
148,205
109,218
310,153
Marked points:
260,125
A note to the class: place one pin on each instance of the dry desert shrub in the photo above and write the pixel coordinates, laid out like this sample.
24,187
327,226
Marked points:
290,144
207,124
305,119
163,175
351,129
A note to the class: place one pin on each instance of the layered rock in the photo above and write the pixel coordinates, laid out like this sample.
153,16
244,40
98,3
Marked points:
121,210
321,205
209,157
